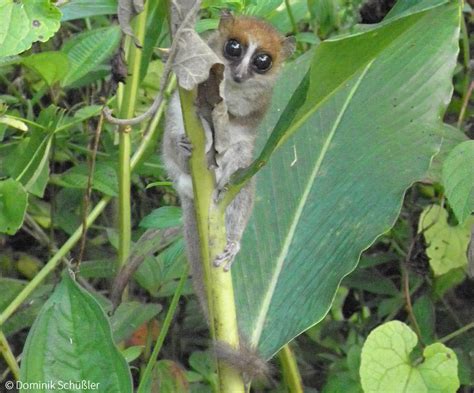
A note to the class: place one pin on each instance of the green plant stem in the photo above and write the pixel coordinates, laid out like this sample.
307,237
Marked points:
52,263
291,17
128,98
147,140
163,332
458,332
211,228
9,356
289,367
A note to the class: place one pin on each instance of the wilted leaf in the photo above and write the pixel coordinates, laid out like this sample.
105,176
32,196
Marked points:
126,10
458,179
25,22
446,244
13,202
386,365
71,340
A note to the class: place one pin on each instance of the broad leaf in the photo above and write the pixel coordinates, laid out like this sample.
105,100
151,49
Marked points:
458,179
71,341
368,130
13,202
386,365
25,22
88,50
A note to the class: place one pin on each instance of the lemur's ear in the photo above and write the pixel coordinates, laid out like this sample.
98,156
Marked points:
227,20
288,46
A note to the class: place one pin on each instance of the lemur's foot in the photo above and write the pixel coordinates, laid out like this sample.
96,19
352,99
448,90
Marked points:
185,146
228,255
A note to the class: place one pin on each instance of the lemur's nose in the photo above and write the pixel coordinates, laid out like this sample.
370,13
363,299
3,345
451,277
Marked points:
237,78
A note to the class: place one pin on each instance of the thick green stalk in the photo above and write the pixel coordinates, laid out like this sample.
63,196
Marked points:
163,332
289,367
147,140
9,357
211,227
127,109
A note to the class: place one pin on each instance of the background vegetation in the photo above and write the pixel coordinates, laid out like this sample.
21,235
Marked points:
62,165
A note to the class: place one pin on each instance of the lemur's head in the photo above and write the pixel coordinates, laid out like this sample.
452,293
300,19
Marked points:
251,49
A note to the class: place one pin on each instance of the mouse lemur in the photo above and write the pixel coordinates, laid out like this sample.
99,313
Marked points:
252,52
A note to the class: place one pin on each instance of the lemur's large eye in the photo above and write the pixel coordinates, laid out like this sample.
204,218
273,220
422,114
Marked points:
262,62
232,49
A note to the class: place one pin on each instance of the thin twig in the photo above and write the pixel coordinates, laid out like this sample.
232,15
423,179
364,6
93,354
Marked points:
164,331
88,191
7,353
464,104
163,80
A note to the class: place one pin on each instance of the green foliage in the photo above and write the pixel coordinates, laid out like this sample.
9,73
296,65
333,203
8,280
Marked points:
73,329
13,200
88,50
387,365
458,179
24,22
359,115
51,66
163,217
325,206
447,244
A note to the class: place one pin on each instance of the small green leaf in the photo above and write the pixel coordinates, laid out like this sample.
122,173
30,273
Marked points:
386,365
105,178
132,353
163,217
88,50
25,22
130,316
71,341
51,66
169,377
458,179
13,202
15,123
79,9
446,244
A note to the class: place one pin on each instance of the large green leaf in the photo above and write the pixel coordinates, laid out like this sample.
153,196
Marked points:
88,50
364,135
71,341
25,22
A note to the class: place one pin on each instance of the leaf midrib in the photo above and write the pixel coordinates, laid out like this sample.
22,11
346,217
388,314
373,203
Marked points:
260,321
